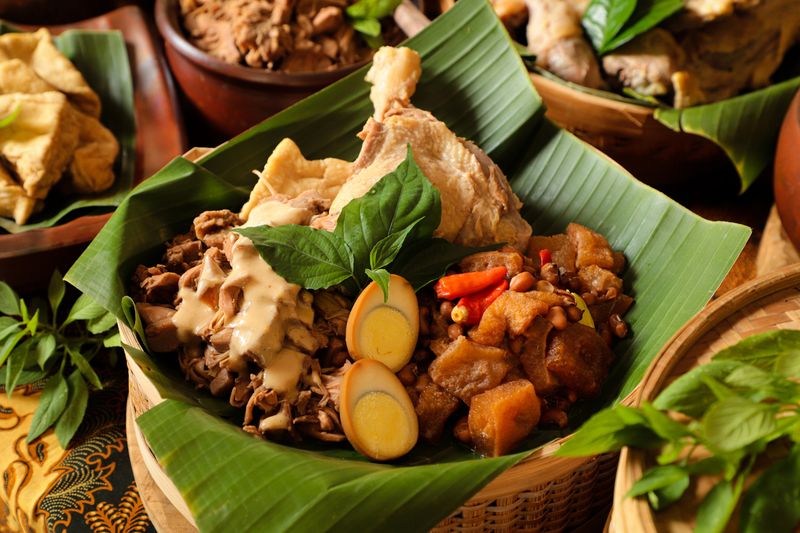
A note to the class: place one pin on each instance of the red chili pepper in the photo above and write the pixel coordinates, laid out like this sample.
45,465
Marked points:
545,256
470,308
457,285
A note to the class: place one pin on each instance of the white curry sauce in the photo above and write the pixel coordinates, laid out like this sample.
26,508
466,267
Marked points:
269,305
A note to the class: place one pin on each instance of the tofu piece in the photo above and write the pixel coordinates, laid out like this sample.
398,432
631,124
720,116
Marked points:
467,368
13,201
501,417
434,406
92,167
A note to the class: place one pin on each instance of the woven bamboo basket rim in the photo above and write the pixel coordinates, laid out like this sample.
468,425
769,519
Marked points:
769,302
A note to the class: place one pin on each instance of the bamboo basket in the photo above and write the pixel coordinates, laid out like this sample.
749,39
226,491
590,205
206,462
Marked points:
767,303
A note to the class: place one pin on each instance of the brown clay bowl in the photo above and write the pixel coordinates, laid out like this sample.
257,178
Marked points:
630,135
787,172
231,98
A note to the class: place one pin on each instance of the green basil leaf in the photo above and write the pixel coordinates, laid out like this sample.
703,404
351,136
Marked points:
663,497
716,508
762,350
85,368
708,467
44,349
102,323
689,394
10,344
113,341
375,9
381,277
719,390
647,15
735,422
772,502
658,478
788,364
55,291
424,261
51,405
8,326
33,323
603,19
671,452
385,250
311,258
609,430
29,376
9,301
23,310
71,418
662,424
369,27
84,308
16,363
397,201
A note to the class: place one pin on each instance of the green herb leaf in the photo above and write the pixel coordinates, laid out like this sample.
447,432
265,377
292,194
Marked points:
10,344
609,430
8,327
44,349
708,467
70,420
663,497
427,260
603,19
101,324
29,376
311,258
647,15
385,250
772,502
9,301
51,405
16,362
664,426
401,198
735,422
113,341
84,308
55,291
762,350
85,368
658,478
689,394
381,277
368,27
788,364
716,508
372,9
33,323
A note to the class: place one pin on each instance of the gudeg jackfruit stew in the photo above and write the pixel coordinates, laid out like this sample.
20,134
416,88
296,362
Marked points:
395,297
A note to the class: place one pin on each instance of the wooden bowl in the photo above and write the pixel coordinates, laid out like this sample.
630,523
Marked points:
767,303
630,135
27,259
231,98
787,172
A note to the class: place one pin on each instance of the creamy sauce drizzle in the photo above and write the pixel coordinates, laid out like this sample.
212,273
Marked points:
269,305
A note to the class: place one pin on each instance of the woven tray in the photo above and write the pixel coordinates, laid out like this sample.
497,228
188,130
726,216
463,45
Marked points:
770,302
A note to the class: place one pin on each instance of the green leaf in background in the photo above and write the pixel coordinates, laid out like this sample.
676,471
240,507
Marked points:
647,15
55,291
746,126
102,58
71,418
101,323
15,364
51,405
664,485
762,350
603,19
717,507
735,422
9,301
367,27
676,262
772,502
84,308
85,368
689,394
374,9
44,349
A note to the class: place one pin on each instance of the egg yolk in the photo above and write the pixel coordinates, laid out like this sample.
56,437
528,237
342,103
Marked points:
382,425
386,335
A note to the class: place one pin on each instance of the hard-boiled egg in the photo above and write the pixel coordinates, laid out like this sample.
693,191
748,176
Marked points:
385,331
377,415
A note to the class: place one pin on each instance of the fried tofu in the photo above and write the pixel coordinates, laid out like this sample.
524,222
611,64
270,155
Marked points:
38,51
92,167
39,143
13,201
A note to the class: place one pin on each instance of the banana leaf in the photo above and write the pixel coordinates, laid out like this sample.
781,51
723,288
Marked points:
745,127
475,82
102,58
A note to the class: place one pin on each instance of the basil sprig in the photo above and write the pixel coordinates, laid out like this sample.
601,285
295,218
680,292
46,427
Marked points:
389,229
745,400
611,23
36,345
365,17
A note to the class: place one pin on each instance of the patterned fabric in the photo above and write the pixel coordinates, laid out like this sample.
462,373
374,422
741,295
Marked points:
88,487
